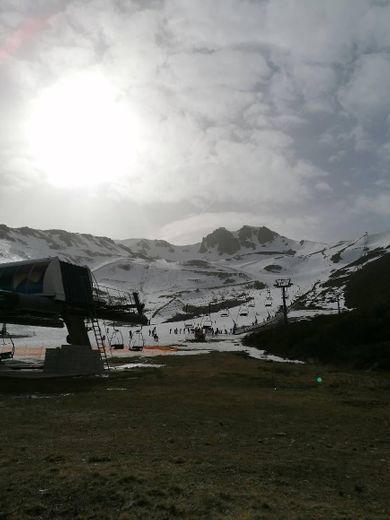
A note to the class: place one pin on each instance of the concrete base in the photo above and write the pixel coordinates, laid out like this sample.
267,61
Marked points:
72,360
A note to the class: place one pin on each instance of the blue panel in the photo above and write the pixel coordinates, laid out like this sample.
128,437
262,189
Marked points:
24,278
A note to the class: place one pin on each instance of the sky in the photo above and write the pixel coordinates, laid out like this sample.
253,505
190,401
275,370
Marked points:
170,118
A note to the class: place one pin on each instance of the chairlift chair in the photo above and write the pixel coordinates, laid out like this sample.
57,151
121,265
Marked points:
208,322
116,340
137,342
7,346
225,312
243,312
268,299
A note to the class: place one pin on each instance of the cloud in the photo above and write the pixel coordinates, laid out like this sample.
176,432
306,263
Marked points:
268,109
378,204
323,186
316,32
365,96
202,224
193,228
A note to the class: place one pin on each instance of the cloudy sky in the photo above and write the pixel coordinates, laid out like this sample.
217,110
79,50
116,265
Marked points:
169,118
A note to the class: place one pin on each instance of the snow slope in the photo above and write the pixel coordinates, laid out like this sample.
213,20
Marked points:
23,243
224,267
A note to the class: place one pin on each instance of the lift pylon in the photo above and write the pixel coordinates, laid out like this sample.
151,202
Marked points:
284,284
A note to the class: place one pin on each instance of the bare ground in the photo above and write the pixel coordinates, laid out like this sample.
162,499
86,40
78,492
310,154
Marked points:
210,436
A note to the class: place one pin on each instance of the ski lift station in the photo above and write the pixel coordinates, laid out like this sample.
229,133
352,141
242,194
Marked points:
50,292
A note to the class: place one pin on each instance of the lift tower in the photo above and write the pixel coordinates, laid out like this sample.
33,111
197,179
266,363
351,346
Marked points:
283,284
50,292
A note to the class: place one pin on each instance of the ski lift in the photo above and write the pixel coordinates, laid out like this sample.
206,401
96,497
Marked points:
207,323
116,340
7,346
136,340
188,328
224,311
268,299
243,312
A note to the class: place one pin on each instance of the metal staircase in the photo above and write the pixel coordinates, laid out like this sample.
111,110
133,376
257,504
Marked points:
100,342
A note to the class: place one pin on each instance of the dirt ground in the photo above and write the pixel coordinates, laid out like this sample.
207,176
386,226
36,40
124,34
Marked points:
210,436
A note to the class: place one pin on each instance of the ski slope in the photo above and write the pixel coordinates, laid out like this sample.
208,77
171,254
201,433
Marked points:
204,273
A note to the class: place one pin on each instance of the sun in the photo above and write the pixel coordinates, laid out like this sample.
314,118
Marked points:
81,133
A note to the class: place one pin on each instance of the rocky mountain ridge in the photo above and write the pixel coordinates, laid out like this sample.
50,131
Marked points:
228,242
221,243
25,242
223,266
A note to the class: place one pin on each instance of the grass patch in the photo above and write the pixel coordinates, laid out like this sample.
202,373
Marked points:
217,436
358,339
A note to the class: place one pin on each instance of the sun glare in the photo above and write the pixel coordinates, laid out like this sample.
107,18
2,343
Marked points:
81,134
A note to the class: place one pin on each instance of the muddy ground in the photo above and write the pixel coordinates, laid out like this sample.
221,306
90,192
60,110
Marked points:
209,436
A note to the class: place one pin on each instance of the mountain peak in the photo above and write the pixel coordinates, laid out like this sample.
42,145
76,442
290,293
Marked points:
223,240
228,242
250,233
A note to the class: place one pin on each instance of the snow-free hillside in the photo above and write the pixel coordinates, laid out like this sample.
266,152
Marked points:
225,269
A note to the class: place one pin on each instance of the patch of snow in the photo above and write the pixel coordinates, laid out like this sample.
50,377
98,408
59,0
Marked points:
128,366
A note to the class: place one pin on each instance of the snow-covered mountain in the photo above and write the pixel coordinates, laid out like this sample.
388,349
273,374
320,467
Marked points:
221,243
23,243
225,266
161,249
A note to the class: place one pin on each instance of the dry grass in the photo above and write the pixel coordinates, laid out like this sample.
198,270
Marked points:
213,436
